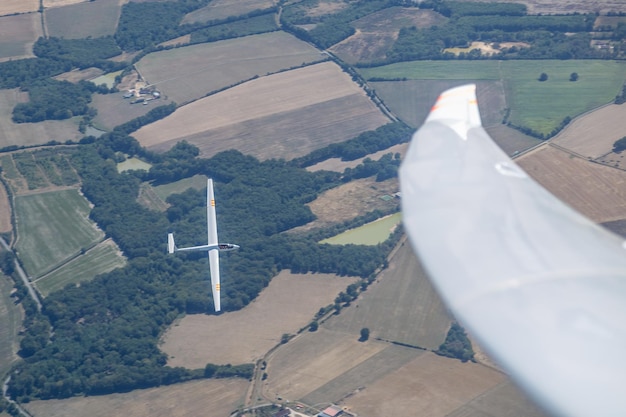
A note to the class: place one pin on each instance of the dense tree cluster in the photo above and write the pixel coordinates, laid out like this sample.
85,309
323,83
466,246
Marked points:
364,144
457,344
456,9
54,100
257,23
145,24
81,53
619,145
24,71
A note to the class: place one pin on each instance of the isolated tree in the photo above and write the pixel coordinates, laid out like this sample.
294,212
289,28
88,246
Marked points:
365,334
573,76
619,145
313,327
543,77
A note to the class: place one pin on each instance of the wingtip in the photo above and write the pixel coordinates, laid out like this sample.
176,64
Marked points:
457,104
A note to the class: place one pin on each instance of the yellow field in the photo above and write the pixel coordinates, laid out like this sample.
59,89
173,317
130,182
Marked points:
286,305
282,115
594,133
208,397
18,6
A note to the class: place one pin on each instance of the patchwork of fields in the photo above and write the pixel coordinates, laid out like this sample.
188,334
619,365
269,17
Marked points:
540,106
191,72
283,115
18,6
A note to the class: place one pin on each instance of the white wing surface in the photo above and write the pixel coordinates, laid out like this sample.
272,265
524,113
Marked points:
214,258
541,287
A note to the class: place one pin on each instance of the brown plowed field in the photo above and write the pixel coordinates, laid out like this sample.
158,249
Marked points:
595,190
593,134
286,305
279,116
208,397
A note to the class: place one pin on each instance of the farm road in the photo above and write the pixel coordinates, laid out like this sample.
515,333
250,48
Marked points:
23,276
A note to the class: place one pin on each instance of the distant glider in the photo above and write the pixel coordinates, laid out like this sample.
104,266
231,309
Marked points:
213,247
542,288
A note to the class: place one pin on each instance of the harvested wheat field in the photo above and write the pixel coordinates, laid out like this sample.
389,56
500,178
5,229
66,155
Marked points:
207,397
18,6
18,34
286,305
595,190
435,386
310,361
594,133
283,115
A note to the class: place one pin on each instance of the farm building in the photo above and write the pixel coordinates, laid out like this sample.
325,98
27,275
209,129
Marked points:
331,411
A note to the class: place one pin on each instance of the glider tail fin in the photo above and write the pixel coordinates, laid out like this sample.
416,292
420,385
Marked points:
171,246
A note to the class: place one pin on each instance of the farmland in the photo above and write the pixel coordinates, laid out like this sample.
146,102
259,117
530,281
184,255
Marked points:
100,259
540,106
113,110
85,19
594,133
214,398
5,209
25,134
371,233
181,73
279,116
595,190
376,32
349,201
60,217
18,34
246,335
221,9
8,7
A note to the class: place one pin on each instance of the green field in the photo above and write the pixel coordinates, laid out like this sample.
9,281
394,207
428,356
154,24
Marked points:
134,164
369,234
197,181
60,217
540,106
101,259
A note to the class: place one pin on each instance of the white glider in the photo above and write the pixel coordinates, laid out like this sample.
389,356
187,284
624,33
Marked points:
213,246
542,288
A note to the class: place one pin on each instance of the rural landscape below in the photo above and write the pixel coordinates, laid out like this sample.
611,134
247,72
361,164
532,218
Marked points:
113,115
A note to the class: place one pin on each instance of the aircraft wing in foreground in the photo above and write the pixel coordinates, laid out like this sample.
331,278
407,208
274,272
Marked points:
542,288
213,247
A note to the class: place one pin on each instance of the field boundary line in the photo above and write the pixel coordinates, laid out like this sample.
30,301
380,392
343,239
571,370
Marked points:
61,264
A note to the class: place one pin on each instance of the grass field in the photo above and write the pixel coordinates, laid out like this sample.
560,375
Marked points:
100,259
114,110
221,9
208,397
189,73
18,33
25,134
60,217
595,190
286,305
10,322
18,6
279,116
86,19
133,163
369,234
540,106
197,181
